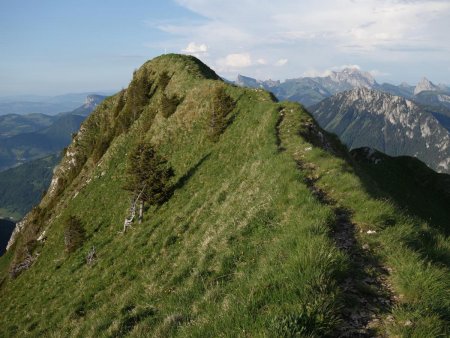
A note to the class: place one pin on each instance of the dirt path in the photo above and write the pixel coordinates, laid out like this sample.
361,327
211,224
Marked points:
367,293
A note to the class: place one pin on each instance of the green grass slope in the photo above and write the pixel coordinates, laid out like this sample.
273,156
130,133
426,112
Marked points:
245,246
410,183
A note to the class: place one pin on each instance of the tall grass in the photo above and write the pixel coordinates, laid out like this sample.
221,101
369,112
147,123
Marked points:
422,285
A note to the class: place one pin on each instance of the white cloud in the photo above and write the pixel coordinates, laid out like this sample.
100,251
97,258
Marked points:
315,35
342,67
198,50
192,47
234,61
261,61
281,62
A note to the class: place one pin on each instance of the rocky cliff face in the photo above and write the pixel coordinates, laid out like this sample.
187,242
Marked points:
425,85
391,124
93,101
90,103
353,77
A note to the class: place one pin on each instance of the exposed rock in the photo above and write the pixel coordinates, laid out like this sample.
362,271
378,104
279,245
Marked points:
18,268
391,124
91,256
19,226
425,85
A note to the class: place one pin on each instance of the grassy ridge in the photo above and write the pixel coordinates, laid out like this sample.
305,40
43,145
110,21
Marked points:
242,248
228,253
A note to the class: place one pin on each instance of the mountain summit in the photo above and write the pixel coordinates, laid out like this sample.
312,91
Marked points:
425,85
354,78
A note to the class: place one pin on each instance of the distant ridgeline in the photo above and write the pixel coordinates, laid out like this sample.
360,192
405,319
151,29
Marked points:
210,210
397,120
32,144
28,137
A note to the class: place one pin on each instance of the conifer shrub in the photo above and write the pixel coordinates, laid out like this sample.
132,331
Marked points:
74,234
148,174
138,95
221,106
100,147
120,103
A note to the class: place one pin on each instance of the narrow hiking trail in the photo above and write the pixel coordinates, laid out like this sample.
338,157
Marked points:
367,293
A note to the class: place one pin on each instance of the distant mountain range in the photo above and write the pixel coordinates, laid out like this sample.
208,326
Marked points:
392,124
395,119
312,90
49,105
32,136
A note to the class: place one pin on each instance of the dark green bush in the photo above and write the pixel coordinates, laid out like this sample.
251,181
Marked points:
222,105
148,172
74,234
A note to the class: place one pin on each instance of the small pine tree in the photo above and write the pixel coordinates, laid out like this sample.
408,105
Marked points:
148,175
74,234
138,95
120,104
222,105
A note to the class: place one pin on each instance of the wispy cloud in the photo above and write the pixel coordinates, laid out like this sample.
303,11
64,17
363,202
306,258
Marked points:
192,47
313,34
281,62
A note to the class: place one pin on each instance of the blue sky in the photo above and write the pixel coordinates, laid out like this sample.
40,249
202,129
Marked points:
50,47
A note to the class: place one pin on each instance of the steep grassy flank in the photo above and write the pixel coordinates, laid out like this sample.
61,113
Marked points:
415,255
240,248
411,184
245,246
